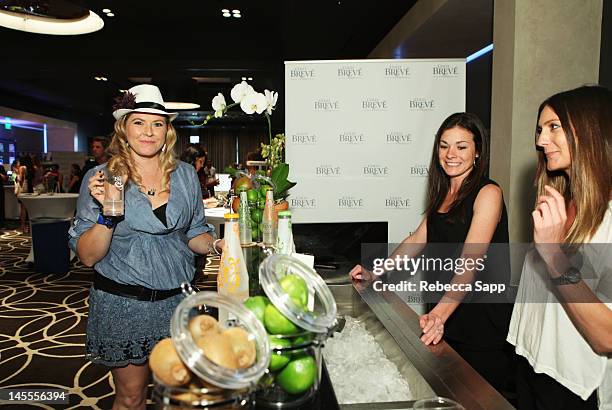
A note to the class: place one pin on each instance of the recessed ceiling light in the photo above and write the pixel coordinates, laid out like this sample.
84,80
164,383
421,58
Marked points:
175,105
122,91
224,11
106,10
227,15
250,78
110,15
98,78
237,16
236,11
44,25
244,78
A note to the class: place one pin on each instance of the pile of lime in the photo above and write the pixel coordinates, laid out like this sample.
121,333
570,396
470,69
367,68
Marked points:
257,203
294,370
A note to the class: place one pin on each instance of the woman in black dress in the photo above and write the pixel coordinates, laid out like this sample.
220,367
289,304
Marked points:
465,212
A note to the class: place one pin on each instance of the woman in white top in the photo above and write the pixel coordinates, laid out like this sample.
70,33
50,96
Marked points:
562,321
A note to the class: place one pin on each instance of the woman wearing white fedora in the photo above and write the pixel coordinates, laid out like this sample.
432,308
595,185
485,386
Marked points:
141,259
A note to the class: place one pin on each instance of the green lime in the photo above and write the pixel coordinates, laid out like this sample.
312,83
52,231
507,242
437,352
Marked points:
302,340
257,305
252,195
296,288
298,376
263,189
278,359
256,215
254,233
261,203
277,323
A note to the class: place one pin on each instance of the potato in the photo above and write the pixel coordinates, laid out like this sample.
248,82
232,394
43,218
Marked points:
203,324
218,349
244,349
167,366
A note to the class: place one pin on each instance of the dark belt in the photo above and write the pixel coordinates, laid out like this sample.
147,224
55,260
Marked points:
132,291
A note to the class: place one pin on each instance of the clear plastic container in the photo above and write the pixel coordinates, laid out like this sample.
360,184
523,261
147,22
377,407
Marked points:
316,322
214,385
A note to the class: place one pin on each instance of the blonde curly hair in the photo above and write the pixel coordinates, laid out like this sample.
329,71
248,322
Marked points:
122,162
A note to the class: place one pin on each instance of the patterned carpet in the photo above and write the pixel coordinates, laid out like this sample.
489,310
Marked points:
42,328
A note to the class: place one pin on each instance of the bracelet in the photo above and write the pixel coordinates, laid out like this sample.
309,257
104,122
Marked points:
214,246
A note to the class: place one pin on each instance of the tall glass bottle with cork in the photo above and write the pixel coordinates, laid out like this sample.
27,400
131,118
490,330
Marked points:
233,277
269,223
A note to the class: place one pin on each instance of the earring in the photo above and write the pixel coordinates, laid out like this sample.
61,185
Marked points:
164,148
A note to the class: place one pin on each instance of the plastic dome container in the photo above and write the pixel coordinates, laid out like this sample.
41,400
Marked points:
217,385
315,323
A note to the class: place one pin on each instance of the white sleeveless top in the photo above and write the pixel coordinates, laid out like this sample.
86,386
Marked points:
544,334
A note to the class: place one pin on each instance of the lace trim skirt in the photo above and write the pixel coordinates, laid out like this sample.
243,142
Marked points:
122,331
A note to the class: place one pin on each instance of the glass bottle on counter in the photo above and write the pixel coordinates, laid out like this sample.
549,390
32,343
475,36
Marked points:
284,241
244,220
270,222
233,277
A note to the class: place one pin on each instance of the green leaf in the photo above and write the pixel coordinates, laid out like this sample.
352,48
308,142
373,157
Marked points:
230,170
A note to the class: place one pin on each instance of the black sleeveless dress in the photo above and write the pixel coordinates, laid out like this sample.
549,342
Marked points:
477,331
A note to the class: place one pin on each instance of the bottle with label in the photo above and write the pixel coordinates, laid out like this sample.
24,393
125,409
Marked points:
233,277
284,241
244,220
269,223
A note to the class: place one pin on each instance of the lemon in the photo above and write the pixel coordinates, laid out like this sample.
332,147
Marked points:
298,376
257,305
296,288
278,359
276,323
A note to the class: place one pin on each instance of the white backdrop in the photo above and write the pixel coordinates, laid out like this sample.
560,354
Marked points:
359,136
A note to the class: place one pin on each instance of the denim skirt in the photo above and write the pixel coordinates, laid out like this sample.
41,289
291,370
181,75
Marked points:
122,331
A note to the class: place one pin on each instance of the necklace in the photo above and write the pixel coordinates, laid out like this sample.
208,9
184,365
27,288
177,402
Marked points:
151,191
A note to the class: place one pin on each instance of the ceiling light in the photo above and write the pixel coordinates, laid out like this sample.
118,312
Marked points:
250,78
236,11
25,20
110,15
244,78
106,10
98,78
103,78
224,11
237,16
174,105
227,15
122,91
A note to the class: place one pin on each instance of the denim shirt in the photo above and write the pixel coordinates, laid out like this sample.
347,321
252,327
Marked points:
142,250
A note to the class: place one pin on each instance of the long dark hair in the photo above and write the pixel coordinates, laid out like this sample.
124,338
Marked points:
193,152
585,114
439,183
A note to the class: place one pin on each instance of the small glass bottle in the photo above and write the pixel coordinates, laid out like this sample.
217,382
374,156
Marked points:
284,241
233,277
269,223
244,220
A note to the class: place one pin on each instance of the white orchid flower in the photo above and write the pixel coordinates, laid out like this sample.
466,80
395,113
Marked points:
241,90
271,98
252,103
219,104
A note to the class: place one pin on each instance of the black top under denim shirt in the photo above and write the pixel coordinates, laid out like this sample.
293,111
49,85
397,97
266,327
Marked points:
472,324
160,213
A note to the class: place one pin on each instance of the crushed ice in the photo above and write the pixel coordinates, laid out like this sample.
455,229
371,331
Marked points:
359,370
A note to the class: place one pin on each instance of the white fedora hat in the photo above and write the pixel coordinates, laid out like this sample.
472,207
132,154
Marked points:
144,98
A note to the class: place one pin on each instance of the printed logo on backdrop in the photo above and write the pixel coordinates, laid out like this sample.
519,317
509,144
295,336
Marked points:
397,71
351,137
445,70
398,137
421,104
326,104
303,202
419,170
302,73
303,138
397,202
378,171
374,104
327,170
350,202
350,72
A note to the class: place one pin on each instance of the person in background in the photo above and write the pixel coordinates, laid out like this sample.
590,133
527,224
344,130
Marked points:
3,181
466,212
211,178
38,171
23,185
195,155
564,341
74,184
53,179
99,147
140,260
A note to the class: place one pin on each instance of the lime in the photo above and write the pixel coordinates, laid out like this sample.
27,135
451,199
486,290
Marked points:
278,359
263,189
242,183
298,376
302,340
252,195
296,288
254,233
277,323
256,215
261,203
257,305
